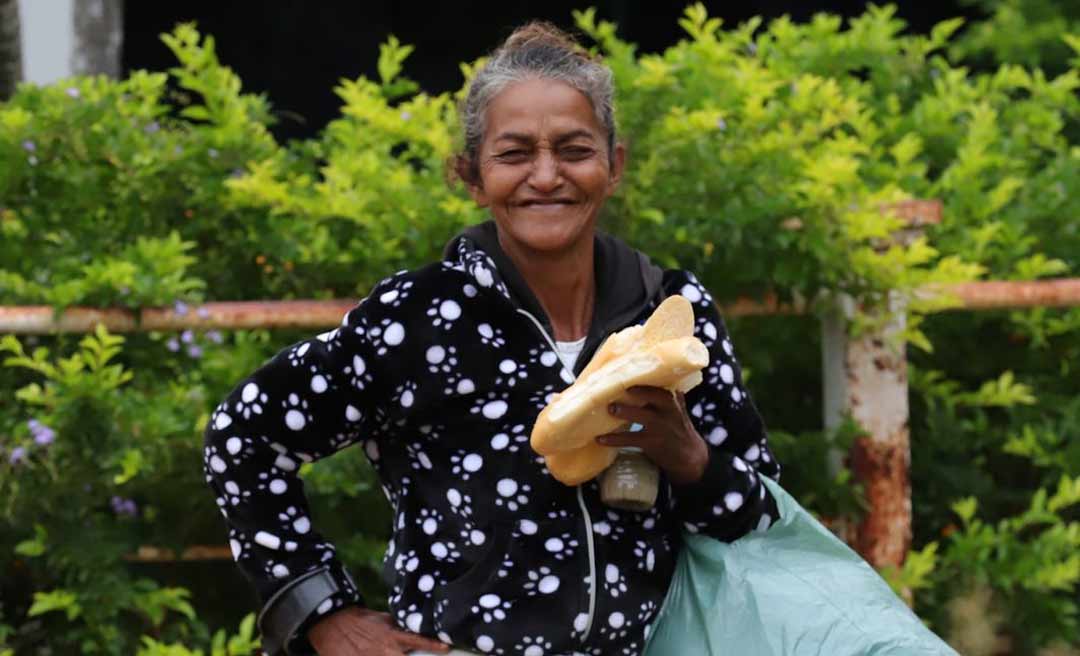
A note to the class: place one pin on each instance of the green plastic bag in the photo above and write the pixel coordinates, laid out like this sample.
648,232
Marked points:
793,590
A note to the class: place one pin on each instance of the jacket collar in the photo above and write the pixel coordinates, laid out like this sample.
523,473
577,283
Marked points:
627,282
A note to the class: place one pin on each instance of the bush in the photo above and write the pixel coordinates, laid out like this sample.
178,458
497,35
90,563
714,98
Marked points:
763,157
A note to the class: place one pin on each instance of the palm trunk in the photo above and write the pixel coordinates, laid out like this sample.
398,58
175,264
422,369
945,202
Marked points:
10,48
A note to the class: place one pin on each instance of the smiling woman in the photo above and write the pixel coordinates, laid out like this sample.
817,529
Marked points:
441,374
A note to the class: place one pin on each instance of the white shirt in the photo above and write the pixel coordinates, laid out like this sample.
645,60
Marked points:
569,351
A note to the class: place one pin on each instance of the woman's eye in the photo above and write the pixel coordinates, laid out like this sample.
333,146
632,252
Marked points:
577,152
512,155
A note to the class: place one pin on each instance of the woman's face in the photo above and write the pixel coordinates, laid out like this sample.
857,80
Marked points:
544,166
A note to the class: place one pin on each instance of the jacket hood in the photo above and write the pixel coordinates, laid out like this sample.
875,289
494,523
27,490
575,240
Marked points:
627,282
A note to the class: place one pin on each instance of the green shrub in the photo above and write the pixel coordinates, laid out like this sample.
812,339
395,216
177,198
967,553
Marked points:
763,157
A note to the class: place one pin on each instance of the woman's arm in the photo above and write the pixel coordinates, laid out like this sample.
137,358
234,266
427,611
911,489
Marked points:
309,401
729,500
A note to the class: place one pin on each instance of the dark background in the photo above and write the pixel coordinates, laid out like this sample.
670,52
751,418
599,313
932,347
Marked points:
295,51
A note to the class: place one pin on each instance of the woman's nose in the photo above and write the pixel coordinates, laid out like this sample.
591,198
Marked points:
545,174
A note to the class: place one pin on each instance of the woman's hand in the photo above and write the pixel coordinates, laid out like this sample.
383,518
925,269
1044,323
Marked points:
354,631
668,438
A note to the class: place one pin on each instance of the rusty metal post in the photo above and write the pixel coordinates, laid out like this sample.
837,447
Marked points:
865,377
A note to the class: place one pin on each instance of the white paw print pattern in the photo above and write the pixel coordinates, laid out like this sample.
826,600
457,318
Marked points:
429,520
541,397
706,331
458,384
720,373
296,412
647,612
239,545
695,293
441,359
397,294
561,546
533,646
293,520
386,335
472,535
406,562
512,494
610,527
491,608
444,312
274,481
405,394
544,357
275,569
410,618
510,372
464,464
510,438
703,411
445,552
427,582
331,339
581,622
541,581
418,458
251,401
220,419
491,336
357,372
614,581
432,432
492,406
646,557
297,354
460,504
615,626
234,495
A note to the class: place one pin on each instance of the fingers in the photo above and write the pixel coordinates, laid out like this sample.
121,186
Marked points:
648,395
625,439
416,641
643,416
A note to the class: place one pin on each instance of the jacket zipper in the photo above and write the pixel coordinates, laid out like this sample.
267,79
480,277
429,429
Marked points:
580,497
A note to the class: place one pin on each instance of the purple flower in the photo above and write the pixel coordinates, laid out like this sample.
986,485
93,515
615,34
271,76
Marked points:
187,336
43,435
405,116
29,146
721,124
151,127
72,92
122,506
212,152
173,344
203,313
180,308
18,454
195,351
215,336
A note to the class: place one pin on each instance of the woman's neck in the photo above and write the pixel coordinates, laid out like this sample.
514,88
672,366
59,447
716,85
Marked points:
564,283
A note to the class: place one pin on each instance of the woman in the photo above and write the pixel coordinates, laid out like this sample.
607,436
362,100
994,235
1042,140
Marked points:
440,372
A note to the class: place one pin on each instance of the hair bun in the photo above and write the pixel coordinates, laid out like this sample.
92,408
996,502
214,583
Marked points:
542,33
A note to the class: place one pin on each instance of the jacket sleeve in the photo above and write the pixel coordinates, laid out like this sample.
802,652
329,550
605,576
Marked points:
309,401
729,501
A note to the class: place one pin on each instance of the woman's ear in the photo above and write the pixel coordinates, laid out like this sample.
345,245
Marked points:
618,162
479,196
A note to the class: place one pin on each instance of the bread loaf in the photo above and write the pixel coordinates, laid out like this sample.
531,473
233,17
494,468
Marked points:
662,353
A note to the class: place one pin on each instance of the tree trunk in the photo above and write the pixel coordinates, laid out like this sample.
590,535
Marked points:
10,48
99,35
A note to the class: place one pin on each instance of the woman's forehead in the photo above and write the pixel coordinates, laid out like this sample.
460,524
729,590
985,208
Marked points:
533,109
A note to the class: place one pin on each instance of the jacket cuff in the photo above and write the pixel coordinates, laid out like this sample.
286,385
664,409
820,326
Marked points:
285,618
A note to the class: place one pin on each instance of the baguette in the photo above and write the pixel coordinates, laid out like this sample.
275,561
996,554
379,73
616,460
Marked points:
662,353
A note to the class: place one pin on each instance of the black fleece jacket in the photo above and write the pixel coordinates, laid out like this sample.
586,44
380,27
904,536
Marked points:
439,374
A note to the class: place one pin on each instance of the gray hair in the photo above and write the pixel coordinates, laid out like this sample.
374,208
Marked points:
536,51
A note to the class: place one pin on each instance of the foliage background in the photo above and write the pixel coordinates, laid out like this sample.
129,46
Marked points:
760,156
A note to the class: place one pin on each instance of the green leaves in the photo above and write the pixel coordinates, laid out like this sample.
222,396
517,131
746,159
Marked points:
62,601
